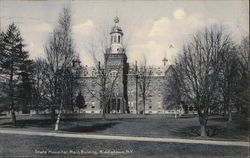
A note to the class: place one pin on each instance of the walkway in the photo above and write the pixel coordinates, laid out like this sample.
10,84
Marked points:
125,138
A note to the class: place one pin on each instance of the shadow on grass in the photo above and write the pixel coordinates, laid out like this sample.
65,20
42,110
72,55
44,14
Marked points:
68,119
29,123
194,131
92,128
219,119
186,116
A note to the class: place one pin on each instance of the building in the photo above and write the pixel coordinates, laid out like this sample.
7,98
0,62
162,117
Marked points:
124,82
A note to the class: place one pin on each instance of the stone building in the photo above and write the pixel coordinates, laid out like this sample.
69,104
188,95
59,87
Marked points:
125,82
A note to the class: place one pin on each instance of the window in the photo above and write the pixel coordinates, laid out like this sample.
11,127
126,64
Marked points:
93,105
94,73
92,94
150,107
119,39
93,85
115,39
85,73
112,39
113,73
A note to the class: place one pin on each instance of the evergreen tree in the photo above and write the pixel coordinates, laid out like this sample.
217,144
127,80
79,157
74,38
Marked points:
80,102
13,59
25,86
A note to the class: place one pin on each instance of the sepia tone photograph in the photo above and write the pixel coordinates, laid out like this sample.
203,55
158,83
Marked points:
124,78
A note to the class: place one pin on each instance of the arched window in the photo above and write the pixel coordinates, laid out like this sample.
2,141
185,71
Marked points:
115,39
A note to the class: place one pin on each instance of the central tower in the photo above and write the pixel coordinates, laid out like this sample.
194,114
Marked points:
117,67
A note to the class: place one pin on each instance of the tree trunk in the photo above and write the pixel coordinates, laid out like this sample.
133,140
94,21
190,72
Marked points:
175,113
104,111
225,111
13,117
144,106
203,131
103,114
229,113
203,125
239,109
180,111
58,118
53,114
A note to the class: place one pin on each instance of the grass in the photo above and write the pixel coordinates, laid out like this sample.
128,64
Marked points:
186,126
32,146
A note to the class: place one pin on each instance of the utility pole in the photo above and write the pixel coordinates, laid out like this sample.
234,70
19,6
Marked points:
136,89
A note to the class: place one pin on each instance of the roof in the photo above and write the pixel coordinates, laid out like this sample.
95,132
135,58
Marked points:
154,70
89,71
116,29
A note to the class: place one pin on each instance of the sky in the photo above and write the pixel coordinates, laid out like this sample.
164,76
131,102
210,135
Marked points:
154,29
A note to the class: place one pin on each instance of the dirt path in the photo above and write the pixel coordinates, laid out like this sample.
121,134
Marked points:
125,138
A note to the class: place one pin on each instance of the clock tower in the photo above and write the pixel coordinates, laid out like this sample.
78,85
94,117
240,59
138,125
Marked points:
117,67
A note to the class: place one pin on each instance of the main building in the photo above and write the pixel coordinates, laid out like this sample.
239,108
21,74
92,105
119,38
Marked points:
130,89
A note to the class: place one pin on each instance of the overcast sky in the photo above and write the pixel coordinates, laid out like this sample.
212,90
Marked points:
150,27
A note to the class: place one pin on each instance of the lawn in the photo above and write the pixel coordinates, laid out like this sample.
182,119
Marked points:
186,126
41,146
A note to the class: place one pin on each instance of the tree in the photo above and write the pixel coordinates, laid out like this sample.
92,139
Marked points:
39,86
25,86
144,77
2,45
243,91
80,101
64,68
229,79
14,58
3,97
173,94
199,68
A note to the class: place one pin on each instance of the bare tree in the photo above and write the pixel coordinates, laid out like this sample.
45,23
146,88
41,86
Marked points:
144,77
199,68
40,82
244,53
62,60
244,83
230,77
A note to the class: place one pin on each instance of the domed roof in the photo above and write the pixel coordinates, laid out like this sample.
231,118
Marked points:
116,28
